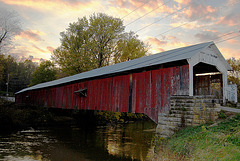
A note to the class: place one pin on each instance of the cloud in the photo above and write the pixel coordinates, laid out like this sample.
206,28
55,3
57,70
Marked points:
155,50
59,6
39,49
211,30
132,4
160,49
160,6
121,3
192,25
155,41
140,8
231,38
233,41
183,1
230,20
31,35
206,36
26,51
38,60
49,48
197,11
20,51
229,53
170,42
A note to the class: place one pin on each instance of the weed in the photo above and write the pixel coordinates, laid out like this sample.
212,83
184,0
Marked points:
220,142
184,109
222,115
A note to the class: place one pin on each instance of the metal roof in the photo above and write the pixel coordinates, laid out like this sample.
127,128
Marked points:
146,61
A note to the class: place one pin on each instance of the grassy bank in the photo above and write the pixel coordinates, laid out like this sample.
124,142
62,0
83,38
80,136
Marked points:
206,142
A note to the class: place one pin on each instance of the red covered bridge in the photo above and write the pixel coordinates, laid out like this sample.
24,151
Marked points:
142,85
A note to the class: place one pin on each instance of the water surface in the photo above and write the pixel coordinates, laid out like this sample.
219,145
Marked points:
130,141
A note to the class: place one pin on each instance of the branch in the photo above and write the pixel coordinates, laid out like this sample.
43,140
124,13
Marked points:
3,37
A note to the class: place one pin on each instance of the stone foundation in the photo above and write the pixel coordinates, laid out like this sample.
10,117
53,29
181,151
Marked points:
187,111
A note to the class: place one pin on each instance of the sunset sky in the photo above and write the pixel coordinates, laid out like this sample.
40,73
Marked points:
164,25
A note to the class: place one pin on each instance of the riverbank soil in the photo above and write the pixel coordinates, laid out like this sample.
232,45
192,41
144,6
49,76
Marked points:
219,141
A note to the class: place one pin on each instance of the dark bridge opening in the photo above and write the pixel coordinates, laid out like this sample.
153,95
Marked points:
207,80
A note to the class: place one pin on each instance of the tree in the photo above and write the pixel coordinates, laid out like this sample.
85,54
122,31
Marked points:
234,75
8,66
25,73
128,48
44,73
9,26
97,42
18,75
1,66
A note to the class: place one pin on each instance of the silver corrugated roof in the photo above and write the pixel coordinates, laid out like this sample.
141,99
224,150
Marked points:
146,61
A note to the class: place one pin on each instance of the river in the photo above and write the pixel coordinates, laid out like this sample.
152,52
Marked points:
131,141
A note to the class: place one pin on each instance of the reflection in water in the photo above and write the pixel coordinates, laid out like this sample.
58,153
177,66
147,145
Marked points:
118,142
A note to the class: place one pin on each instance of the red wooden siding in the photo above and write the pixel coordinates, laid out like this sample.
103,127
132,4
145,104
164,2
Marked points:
141,93
165,83
106,94
150,92
120,93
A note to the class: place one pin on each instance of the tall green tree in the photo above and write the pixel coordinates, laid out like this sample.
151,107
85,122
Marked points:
44,73
96,42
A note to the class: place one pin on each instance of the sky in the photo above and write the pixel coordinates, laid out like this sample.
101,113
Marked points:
162,24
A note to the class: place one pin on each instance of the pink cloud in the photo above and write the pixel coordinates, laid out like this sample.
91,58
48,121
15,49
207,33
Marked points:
155,41
49,48
211,30
146,6
206,36
183,1
39,49
160,46
233,41
230,20
121,3
58,6
31,35
160,49
229,53
197,10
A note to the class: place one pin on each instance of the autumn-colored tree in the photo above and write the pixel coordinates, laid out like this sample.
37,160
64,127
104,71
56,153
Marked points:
128,48
96,42
44,73
234,75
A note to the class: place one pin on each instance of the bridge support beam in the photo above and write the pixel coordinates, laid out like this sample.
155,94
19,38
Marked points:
187,111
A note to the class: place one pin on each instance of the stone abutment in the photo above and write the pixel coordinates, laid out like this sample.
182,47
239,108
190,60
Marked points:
187,111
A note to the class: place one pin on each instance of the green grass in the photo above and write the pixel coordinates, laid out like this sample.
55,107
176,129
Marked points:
221,142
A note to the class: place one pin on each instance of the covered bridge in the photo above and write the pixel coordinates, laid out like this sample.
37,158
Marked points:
142,85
